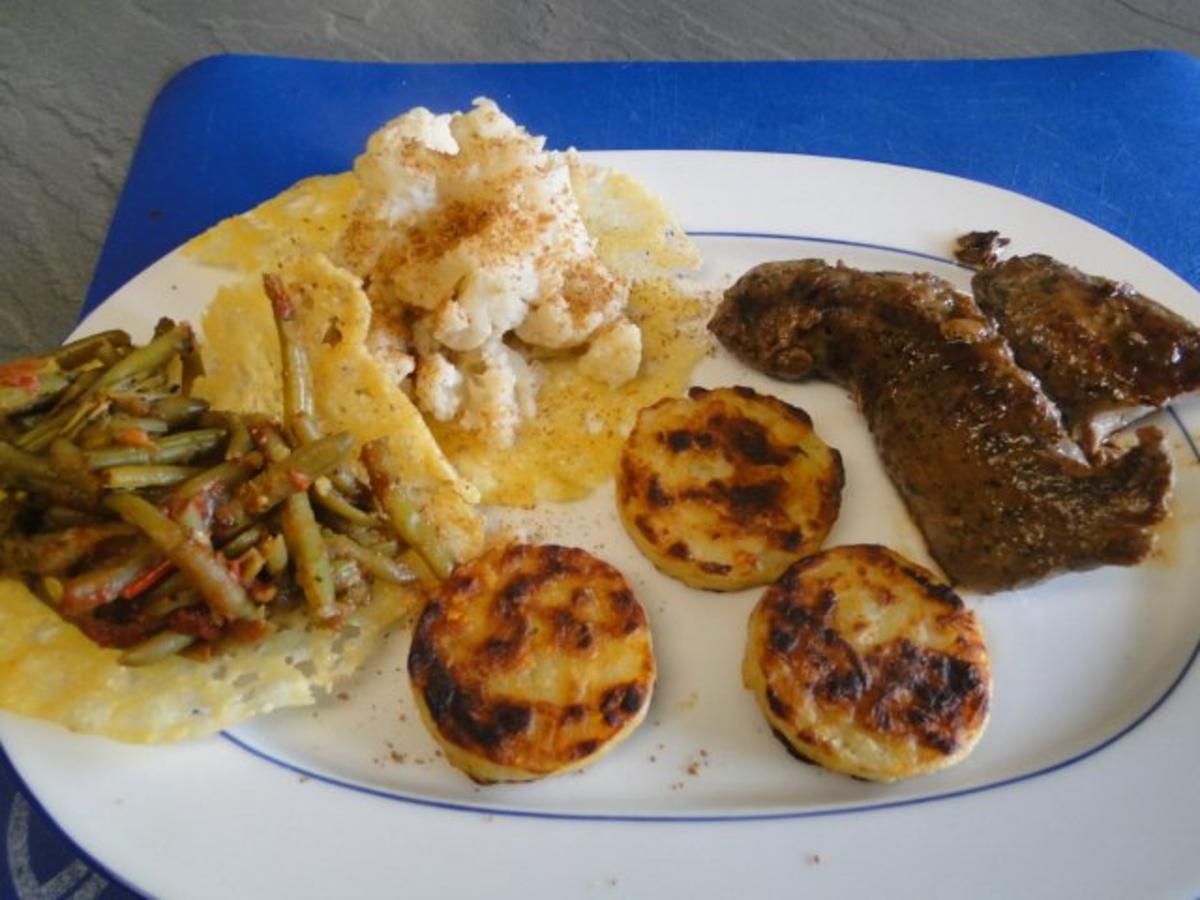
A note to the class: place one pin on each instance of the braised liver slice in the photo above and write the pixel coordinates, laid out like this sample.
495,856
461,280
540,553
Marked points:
976,449
1104,353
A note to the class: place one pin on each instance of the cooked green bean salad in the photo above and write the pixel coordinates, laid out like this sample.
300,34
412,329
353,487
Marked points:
160,526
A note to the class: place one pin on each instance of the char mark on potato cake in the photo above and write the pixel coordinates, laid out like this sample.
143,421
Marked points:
864,663
974,446
726,488
1103,352
531,660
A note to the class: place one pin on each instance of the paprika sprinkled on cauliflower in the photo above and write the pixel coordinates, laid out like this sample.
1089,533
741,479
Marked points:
471,246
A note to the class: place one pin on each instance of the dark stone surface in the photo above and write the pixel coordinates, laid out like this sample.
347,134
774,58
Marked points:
76,79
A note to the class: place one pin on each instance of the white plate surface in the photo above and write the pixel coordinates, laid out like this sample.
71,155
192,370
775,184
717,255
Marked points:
1084,782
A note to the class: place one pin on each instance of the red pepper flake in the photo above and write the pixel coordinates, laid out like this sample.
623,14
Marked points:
300,481
22,373
133,437
147,579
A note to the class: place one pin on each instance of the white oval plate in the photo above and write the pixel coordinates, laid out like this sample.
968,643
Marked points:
1085,779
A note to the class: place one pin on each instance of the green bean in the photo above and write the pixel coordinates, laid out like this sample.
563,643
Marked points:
55,552
32,473
37,383
207,573
70,461
271,441
194,514
191,365
92,436
310,557
156,649
139,477
240,442
381,540
220,479
65,456
52,589
174,409
146,360
248,565
298,406
122,422
18,463
104,584
178,410
297,373
173,448
280,479
371,562
76,353
106,355
135,403
82,384
405,517
305,428
244,541
171,593
276,552
86,413
65,422
332,499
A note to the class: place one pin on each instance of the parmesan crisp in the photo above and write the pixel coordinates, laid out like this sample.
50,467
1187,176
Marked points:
353,392
50,670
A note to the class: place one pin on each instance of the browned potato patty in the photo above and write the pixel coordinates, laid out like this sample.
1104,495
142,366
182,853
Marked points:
530,661
864,663
724,489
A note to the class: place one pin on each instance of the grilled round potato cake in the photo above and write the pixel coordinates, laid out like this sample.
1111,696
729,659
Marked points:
531,661
726,488
864,663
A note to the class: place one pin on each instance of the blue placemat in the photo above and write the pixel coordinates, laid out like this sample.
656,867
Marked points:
1114,138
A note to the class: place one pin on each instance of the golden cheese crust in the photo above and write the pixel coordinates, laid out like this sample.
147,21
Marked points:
531,661
864,663
726,488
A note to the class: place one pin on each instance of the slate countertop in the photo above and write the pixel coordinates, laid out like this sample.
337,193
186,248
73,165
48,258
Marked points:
76,79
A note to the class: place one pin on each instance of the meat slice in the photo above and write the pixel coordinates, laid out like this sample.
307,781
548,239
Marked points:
976,449
1104,353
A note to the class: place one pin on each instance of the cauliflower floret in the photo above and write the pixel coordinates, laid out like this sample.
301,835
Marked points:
439,387
590,297
390,349
399,168
486,122
501,392
489,304
614,355
468,230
